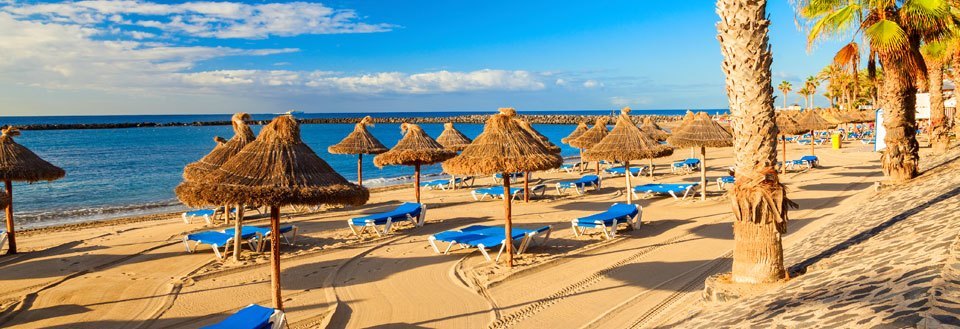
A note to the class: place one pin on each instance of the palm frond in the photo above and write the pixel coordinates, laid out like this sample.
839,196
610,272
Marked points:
886,36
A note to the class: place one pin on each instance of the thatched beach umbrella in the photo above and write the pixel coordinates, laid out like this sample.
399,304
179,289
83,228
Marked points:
811,121
359,142
653,130
504,147
624,143
416,148
277,169
453,139
225,149
787,126
656,133
592,137
702,132
546,142
17,163
581,128
687,119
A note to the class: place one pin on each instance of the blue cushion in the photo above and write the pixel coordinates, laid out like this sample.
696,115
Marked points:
247,232
253,316
663,188
438,182
399,213
210,237
727,179
616,211
200,213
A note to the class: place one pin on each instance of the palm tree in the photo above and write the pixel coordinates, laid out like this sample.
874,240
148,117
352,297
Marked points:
848,58
894,31
805,92
785,88
811,84
935,54
759,198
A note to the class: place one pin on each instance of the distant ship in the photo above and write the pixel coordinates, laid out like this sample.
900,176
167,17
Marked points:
291,112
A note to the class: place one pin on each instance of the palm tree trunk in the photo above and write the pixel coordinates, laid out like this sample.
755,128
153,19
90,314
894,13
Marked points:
757,195
898,99
939,138
784,100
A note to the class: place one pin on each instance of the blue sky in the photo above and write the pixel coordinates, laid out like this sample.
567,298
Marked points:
141,57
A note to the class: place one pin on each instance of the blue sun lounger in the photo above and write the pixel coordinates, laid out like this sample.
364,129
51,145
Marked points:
579,185
685,166
252,317
620,171
671,189
607,221
256,234
440,184
497,192
214,239
205,214
723,181
483,237
381,223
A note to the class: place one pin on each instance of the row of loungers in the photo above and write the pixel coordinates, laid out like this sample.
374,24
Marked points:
256,237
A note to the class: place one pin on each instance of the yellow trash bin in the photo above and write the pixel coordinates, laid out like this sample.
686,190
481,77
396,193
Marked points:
835,141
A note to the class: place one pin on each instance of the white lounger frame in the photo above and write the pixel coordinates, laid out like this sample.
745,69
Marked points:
638,175
216,250
206,218
580,190
611,231
262,240
674,195
417,222
527,241
536,189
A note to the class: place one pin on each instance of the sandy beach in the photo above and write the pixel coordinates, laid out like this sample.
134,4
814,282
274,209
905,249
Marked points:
137,274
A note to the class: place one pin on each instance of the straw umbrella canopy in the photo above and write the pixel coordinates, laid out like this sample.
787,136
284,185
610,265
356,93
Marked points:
624,143
592,137
359,142
17,163
277,169
581,128
787,126
687,119
416,148
702,132
225,149
811,121
504,147
653,130
546,142
453,139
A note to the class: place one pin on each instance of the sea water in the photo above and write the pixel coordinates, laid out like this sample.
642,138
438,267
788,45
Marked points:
114,173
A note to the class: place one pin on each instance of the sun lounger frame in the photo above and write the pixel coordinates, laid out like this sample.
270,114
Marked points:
386,227
578,185
528,240
686,192
609,232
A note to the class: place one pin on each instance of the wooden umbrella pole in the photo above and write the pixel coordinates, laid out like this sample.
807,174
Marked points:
626,166
813,141
508,225
237,233
11,237
582,164
416,184
275,256
360,170
651,168
526,186
783,166
703,172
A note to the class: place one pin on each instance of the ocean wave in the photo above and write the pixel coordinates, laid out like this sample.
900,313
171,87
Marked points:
51,217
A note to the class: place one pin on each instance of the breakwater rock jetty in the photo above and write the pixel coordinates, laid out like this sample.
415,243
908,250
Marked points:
472,118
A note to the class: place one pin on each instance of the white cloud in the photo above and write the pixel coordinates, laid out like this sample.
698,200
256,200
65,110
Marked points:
203,19
384,82
590,84
561,82
621,101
